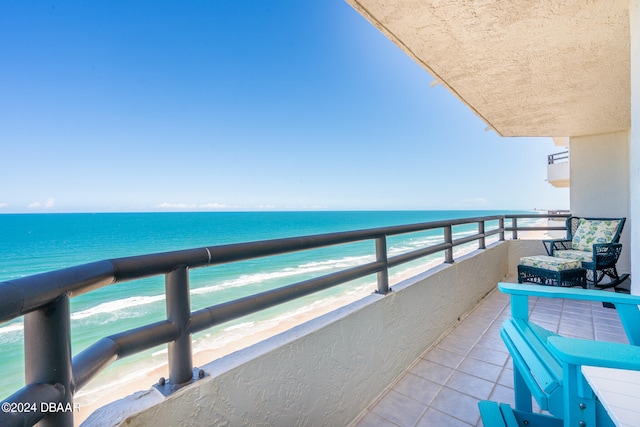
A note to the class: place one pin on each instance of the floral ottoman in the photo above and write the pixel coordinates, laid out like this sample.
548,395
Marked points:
547,270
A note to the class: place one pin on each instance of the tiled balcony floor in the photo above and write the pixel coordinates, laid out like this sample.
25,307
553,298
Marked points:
443,387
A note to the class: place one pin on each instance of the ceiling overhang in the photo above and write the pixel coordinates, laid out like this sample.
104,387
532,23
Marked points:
527,68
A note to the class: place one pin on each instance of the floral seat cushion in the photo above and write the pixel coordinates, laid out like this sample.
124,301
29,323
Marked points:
550,263
590,232
583,256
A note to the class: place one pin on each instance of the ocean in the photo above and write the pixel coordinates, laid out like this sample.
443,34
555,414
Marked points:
35,243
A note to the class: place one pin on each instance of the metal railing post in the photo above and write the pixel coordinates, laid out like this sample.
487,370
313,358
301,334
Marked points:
179,312
514,224
481,241
448,238
381,256
501,227
47,355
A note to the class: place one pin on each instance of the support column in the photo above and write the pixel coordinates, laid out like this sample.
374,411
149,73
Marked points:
448,238
179,312
381,256
47,354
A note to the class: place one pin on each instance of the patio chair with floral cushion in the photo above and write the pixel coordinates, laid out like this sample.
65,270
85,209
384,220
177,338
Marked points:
595,243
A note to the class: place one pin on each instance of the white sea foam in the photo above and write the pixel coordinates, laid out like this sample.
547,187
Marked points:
414,244
111,306
310,267
11,328
104,308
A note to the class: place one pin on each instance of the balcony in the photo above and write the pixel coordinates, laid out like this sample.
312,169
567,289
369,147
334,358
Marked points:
359,356
443,386
337,368
558,169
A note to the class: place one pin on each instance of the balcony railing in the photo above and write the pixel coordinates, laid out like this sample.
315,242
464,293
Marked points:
53,376
562,157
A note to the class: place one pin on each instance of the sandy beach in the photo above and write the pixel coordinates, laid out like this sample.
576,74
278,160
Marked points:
88,403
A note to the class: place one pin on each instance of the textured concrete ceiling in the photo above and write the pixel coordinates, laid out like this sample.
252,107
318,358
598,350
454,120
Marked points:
527,68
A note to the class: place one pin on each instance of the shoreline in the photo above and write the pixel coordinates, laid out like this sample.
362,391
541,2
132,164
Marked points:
89,404
130,383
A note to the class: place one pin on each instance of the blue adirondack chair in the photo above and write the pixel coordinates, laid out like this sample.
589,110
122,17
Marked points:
547,366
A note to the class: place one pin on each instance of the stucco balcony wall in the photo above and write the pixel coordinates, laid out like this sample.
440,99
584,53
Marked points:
325,372
558,174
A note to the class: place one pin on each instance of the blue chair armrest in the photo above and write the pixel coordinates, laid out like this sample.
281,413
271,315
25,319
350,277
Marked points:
626,305
567,293
579,352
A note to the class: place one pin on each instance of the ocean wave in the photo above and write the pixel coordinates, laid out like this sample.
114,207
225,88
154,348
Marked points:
111,306
14,327
414,244
104,308
310,267
344,262
11,333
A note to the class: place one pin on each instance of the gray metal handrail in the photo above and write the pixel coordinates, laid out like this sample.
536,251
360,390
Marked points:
53,376
556,157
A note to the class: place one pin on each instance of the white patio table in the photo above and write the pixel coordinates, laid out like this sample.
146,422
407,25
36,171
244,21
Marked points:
619,392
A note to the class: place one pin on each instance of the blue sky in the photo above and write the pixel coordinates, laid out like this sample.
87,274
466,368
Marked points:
238,105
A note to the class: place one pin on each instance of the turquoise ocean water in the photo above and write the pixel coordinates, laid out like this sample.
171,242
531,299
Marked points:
35,243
